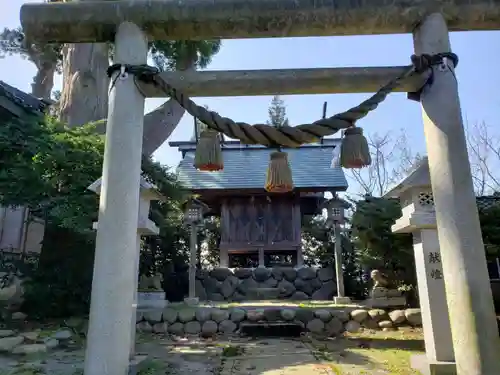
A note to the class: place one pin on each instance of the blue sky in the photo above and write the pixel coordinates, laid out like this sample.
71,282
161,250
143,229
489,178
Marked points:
477,73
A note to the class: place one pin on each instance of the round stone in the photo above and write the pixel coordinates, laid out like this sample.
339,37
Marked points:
287,314
385,324
6,332
243,273
186,315
160,328
352,326
170,315
221,274
203,314
334,327
304,315
397,316
359,315
414,317
153,316
227,326
237,315
219,315
299,296
261,274
144,327
377,314
323,315
209,328
192,328
316,326
306,273
176,328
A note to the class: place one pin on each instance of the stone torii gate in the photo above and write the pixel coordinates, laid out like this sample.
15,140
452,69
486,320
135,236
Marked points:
131,23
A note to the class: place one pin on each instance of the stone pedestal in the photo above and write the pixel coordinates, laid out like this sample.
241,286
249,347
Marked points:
426,366
192,301
151,299
341,300
382,298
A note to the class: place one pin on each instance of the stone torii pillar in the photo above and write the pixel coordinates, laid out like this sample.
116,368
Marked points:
145,227
115,268
473,322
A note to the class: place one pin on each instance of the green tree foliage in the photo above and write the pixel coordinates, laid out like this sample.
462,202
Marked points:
490,228
277,113
319,250
375,244
14,42
179,54
48,167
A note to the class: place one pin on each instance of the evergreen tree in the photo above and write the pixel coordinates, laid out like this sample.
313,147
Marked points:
277,113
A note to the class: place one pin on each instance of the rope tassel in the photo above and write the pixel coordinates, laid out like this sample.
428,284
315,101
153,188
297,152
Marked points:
208,155
354,150
279,175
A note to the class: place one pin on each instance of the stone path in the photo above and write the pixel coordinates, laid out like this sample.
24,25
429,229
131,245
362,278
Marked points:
274,357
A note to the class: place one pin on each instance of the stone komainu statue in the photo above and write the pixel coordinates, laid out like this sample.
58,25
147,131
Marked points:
379,279
382,286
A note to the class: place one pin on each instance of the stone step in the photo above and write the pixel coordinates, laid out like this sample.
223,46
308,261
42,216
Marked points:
256,294
271,329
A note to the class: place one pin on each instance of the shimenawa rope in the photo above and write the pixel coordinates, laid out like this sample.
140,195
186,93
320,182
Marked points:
286,136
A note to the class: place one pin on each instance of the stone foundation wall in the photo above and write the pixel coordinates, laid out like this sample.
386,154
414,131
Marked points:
208,321
243,284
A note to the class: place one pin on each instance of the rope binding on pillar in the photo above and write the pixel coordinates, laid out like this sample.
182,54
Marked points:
354,151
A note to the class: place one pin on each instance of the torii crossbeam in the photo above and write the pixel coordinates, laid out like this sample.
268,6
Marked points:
131,23
97,21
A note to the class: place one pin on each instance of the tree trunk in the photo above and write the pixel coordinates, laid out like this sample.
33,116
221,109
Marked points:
43,81
159,124
84,96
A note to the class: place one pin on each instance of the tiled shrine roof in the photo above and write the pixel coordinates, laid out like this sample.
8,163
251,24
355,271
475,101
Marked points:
245,167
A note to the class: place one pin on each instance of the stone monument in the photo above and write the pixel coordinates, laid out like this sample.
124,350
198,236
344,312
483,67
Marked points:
419,219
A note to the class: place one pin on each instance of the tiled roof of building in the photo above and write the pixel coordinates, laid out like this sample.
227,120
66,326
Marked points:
245,167
22,99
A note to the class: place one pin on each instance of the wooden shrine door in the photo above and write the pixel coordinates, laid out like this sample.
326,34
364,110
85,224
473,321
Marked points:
250,223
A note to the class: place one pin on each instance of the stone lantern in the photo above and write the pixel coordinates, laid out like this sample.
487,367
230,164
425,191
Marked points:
335,209
419,218
152,299
193,218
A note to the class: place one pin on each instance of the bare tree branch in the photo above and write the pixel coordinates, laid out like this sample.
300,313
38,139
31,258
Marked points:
484,155
392,160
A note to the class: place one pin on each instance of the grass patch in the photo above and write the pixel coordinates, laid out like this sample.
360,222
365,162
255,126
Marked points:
232,351
371,352
153,367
